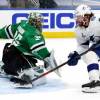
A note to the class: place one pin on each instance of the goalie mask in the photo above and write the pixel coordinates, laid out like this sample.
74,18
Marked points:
83,15
35,19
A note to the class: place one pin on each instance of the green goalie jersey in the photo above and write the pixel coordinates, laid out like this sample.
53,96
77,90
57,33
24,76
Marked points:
26,39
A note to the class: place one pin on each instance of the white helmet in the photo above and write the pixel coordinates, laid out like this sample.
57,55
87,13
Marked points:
82,10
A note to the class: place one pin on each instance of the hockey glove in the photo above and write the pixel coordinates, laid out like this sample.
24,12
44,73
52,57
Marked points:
50,63
73,58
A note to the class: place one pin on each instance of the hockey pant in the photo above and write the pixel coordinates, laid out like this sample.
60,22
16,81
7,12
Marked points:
97,51
15,61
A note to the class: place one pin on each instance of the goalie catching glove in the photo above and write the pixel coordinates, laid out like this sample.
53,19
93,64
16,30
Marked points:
51,63
73,58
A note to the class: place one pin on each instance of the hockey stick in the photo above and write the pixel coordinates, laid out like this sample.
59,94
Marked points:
46,73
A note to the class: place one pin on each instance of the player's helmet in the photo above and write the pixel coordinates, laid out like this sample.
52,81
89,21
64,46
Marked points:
83,14
82,9
35,19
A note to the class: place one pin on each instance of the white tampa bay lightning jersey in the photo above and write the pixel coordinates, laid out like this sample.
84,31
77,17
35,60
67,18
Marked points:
88,35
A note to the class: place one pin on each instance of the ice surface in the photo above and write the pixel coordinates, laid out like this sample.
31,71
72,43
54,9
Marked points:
68,87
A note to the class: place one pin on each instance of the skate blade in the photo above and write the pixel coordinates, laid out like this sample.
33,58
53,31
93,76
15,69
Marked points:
91,90
26,86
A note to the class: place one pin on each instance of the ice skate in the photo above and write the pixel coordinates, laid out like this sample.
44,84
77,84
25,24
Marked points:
92,87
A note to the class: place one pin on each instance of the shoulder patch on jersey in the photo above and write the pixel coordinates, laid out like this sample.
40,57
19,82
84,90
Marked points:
37,37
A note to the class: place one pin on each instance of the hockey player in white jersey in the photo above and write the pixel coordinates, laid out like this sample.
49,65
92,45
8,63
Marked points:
87,32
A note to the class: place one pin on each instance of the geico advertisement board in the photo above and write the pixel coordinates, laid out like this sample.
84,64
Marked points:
56,23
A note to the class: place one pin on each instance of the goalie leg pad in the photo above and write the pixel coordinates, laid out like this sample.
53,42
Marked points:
15,61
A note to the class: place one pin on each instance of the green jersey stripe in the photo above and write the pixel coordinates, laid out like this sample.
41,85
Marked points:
37,49
38,46
7,32
10,31
35,45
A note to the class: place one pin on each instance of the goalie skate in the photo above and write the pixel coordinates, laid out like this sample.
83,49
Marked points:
25,81
18,83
